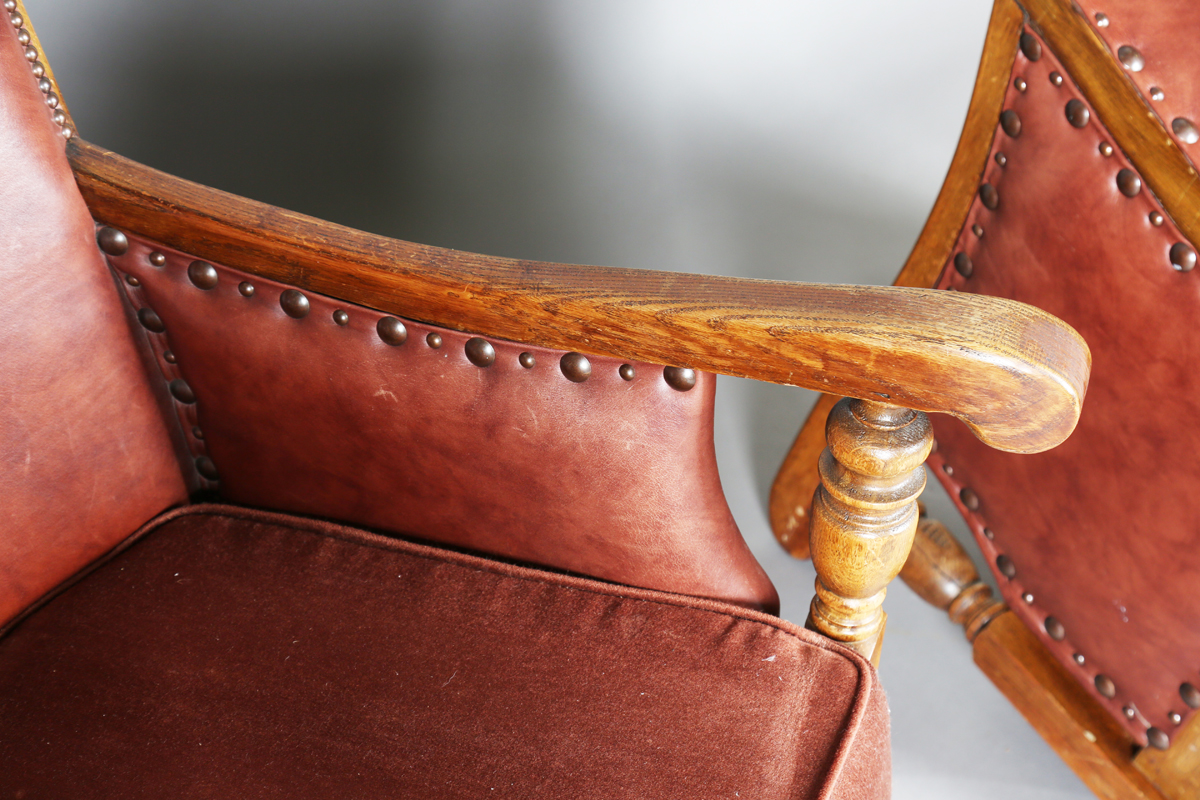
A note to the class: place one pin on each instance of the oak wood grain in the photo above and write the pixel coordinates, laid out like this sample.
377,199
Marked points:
1083,734
864,516
941,572
1175,771
1014,374
1133,124
792,491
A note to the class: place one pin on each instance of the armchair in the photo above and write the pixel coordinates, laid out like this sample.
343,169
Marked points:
1073,188
295,509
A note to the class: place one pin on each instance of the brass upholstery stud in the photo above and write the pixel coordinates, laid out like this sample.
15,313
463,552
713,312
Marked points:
52,100
169,357
989,196
627,372
434,340
1027,597
1056,78
10,5
1020,84
157,259
964,265
199,434
1101,20
1190,695
679,378
946,468
1185,130
1079,659
1183,257
246,288
1106,149
1130,58
150,321
576,367
31,54
341,317
1077,113
112,241
1009,570
1157,738
527,360
181,391
989,534
969,499
1129,711
132,280
37,68
480,352
206,467
1030,46
977,230
44,85
1156,94
1156,219
1002,159
1105,686
1010,121
1056,631
202,274
392,331
294,303
1175,717
1129,183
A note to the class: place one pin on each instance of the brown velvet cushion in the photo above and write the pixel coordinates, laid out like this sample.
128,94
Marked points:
230,653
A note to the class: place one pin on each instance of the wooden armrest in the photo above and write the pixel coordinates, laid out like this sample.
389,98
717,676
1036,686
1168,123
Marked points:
1014,374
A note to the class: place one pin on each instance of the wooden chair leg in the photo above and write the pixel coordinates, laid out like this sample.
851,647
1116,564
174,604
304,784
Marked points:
864,516
1098,749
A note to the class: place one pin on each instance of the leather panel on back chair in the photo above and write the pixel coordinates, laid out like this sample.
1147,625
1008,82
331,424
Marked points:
301,403
1093,543
86,457
1155,42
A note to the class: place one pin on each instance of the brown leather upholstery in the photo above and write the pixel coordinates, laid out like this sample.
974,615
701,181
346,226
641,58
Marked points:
609,477
1164,34
86,456
228,653
1101,531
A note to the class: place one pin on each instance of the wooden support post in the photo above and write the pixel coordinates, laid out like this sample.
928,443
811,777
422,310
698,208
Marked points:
940,571
864,516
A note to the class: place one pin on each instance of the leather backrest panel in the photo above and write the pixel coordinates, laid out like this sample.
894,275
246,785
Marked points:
608,477
1100,534
1163,33
85,457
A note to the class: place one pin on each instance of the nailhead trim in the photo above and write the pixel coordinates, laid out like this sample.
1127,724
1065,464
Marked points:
45,82
953,278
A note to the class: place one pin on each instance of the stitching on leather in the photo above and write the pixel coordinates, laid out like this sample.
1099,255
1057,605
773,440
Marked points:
970,241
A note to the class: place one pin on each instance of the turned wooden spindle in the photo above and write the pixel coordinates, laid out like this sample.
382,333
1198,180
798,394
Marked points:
940,571
864,516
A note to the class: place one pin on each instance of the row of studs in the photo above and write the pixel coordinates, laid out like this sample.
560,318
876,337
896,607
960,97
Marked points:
1132,60
1181,255
38,69
969,501
114,243
1183,259
575,367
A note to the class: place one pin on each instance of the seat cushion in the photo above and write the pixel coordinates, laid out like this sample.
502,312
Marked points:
222,652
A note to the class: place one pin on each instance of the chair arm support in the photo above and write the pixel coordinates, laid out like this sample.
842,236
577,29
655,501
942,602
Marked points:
1014,374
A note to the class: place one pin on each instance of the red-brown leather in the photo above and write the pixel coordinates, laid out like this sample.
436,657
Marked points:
86,456
609,478
1165,32
1102,530
230,653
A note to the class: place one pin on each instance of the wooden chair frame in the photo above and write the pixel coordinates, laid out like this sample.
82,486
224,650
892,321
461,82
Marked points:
1082,733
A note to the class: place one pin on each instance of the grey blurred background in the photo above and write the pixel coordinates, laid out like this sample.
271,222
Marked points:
788,140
